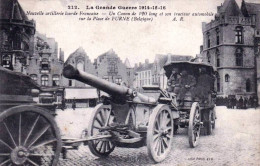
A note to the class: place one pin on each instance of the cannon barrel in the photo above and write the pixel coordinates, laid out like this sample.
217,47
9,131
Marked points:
111,88
104,85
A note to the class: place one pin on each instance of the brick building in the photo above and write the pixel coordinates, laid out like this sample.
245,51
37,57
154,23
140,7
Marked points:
110,67
229,45
16,36
45,66
80,60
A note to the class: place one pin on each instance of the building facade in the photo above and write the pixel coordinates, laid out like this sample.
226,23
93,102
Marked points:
143,75
16,36
111,68
45,66
80,60
229,45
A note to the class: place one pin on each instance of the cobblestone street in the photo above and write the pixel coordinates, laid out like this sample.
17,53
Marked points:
235,141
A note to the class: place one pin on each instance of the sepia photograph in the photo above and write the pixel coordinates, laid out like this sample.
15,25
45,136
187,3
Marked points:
129,82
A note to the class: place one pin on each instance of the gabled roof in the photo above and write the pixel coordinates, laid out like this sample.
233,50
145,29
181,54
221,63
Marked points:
230,8
80,51
252,8
127,63
11,9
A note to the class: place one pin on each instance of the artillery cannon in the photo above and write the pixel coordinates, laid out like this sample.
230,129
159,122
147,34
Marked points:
128,118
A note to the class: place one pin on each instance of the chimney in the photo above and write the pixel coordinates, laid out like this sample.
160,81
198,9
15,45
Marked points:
169,58
146,61
201,48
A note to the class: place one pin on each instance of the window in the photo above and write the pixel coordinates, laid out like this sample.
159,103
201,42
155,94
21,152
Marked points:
106,78
218,58
17,39
208,40
55,80
80,66
118,80
34,77
44,80
239,57
208,57
4,39
70,82
227,78
7,61
239,35
45,66
248,85
217,36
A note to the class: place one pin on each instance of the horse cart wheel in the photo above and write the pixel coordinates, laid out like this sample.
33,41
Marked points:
29,136
160,133
194,124
102,117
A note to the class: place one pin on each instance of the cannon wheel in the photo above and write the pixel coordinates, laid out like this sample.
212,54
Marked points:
29,136
102,116
194,124
160,133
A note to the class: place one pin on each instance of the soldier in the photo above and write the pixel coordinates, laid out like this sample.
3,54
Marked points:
73,104
255,101
240,103
251,102
187,83
204,85
245,103
173,82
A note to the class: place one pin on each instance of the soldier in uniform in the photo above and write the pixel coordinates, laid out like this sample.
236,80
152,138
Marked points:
204,85
187,83
173,82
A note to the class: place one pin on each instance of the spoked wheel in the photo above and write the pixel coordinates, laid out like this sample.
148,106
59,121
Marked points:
102,117
213,118
29,136
210,122
160,133
194,124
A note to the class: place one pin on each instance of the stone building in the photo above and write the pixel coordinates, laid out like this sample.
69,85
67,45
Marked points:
253,10
45,66
229,45
16,36
143,75
80,60
110,67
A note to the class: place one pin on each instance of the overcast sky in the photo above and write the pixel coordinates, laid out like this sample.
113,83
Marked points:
136,41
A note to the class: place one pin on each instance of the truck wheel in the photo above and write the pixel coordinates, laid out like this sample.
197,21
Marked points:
194,125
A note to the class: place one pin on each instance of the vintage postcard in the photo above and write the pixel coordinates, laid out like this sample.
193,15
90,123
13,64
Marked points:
129,82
